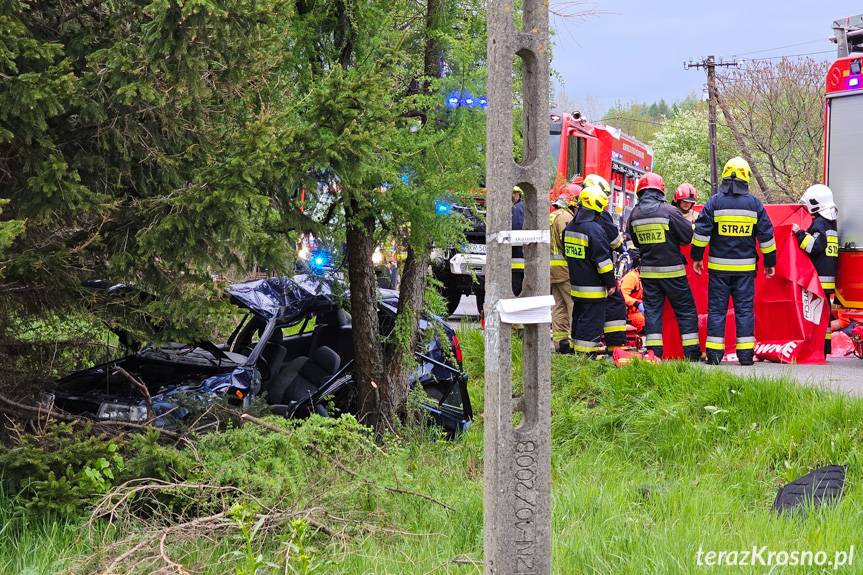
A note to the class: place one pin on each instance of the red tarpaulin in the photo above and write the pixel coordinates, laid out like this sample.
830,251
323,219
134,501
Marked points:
790,315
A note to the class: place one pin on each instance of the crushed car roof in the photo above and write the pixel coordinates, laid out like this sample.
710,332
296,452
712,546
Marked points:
283,297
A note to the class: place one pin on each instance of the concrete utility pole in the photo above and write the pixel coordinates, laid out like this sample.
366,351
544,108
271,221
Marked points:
517,464
710,64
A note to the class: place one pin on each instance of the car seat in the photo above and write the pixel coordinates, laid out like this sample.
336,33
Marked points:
314,372
274,354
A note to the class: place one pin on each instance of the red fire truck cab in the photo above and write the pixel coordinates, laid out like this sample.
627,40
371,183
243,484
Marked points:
579,148
843,127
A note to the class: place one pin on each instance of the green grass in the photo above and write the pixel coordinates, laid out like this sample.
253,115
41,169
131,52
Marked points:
649,463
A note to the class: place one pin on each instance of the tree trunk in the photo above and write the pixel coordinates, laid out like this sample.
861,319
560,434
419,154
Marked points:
400,364
364,317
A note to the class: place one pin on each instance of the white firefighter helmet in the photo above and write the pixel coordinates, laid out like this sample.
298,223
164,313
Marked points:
819,200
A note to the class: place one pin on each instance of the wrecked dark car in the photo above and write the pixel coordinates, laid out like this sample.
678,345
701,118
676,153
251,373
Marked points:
293,346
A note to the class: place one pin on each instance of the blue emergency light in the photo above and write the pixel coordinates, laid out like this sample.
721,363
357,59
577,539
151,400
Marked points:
442,208
456,99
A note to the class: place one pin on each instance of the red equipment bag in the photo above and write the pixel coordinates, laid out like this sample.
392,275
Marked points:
623,355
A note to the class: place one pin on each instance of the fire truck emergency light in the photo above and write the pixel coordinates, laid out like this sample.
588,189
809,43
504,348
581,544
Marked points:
853,82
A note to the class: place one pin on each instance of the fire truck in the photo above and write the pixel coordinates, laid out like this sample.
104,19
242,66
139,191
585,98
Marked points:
843,126
579,148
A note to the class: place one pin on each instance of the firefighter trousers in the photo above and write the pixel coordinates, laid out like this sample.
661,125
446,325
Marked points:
828,335
679,295
615,320
517,281
561,314
741,289
588,323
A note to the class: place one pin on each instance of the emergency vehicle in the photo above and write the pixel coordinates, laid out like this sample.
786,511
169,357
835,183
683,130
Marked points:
843,126
579,148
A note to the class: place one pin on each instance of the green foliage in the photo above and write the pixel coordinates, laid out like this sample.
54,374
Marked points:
247,520
643,121
303,558
681,152
60,470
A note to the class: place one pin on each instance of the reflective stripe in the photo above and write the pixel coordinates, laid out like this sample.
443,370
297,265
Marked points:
630,245
768,246
587,292
745,342
646,221
828,336
831,234
617,242
517,263
604,266
585,346
731,213
612,326
700,241
731,264
807,243
560,336
715,342
689,336
653,339
663,271
827,279
576,235
558,260
686,342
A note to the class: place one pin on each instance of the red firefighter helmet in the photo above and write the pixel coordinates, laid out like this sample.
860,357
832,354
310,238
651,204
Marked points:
685,192
650,180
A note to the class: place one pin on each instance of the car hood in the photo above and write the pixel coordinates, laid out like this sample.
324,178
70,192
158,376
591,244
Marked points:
283,298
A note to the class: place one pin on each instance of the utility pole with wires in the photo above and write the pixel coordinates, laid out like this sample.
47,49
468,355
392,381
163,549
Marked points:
710,64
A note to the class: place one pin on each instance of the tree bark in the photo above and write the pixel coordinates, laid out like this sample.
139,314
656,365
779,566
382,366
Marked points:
400,363
368,353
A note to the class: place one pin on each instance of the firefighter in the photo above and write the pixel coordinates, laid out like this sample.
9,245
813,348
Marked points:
658,230
517,251
561,315
734,223
614,330
821,242
591,273
685,197
633,294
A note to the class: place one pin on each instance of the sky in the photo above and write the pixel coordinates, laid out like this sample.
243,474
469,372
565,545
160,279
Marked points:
634,50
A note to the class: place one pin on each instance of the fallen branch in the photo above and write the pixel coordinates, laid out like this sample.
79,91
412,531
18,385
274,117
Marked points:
148,400
265,425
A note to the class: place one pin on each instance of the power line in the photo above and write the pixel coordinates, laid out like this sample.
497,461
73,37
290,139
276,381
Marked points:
790,56
783,47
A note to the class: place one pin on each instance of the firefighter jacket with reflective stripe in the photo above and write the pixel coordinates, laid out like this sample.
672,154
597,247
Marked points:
615,238
821,242
658,230
559,268
588,257
518,224
735,224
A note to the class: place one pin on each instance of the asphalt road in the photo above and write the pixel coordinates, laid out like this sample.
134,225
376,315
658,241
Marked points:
844,374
